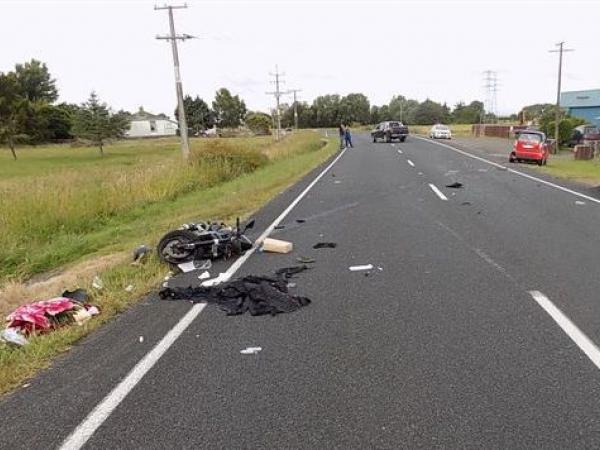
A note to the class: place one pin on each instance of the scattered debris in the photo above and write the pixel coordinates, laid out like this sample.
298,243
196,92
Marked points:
289,272
337,182
26,385
205,265
13,336
250,350
79,295
455,185
81,316
141,339
579,202
279,227
258,295
129,288
277,246
465,203
305,259
325,245
217,280
300,220
291,285
363,267
140,254
186,267
97,283
380,268
204,275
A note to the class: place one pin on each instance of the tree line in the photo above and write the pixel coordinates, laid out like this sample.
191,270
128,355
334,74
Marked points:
229,111
29,113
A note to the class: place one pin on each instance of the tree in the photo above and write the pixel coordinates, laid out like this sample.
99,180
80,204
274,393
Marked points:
538,113
403,109
35,83
199,115
12,112
354,108
259,123
326,110
229,109
95,122
471,113
430,112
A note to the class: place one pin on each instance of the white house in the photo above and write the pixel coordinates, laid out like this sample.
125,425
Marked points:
144,124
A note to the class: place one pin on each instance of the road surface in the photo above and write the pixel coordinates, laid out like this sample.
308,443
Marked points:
475,329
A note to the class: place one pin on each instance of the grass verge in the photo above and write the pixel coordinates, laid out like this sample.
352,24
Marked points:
564,166
289,162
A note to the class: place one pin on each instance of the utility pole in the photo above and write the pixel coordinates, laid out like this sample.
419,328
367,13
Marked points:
560,52
277,93
183,129
294,91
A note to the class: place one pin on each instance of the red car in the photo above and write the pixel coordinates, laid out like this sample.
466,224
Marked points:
530,145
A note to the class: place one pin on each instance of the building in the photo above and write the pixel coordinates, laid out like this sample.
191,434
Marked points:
583,104
145,124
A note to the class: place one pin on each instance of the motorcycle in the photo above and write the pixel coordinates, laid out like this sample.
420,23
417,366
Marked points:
197,241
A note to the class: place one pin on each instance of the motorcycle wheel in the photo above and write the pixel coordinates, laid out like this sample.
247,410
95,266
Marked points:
167,247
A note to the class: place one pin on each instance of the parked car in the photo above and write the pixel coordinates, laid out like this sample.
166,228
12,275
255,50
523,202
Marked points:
530,145
439,131
389,131
584,133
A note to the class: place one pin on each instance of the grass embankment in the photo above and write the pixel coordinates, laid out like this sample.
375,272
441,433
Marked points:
67,206
564,166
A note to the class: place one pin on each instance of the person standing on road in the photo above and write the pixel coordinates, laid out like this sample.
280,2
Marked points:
342,132
348,137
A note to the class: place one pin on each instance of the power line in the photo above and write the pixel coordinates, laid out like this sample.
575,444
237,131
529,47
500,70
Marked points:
560,52
183,130
277,93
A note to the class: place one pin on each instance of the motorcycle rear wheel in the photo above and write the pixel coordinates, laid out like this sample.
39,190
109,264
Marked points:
167,247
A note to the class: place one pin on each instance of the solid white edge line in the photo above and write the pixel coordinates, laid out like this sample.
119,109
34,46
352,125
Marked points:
583,342
410,163
100,413
516,172
437,191
103,410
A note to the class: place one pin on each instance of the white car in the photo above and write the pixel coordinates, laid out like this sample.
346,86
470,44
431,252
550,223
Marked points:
440,132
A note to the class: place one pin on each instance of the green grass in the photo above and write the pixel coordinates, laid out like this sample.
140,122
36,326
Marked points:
564,166
145,221
58,204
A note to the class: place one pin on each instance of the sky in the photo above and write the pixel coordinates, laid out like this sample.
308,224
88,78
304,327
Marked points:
419,49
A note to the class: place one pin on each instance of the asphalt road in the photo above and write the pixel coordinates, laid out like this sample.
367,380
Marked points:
442,345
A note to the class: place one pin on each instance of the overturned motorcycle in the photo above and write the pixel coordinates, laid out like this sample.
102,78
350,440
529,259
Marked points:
196,241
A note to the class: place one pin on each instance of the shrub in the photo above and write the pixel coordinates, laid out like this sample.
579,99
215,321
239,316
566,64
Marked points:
220,161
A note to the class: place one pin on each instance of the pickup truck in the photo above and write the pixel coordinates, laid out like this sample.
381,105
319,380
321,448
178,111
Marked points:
390,130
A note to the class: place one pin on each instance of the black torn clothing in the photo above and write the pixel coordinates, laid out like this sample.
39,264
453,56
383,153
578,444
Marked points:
259,295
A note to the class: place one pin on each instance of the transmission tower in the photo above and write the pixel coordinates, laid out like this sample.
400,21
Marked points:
490,83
